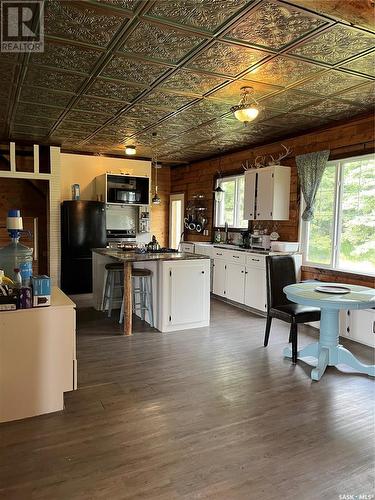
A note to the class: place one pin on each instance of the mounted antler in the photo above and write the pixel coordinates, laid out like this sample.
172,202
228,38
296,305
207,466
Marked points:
276,161
260,161
246,165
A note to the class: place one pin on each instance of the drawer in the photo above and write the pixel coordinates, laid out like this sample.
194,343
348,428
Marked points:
230,255
256,260
187,247
219,253
236,257
204,250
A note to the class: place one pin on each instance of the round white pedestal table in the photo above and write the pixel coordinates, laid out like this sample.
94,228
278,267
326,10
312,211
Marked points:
328,351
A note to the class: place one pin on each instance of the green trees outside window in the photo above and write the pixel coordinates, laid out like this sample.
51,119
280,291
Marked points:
342,233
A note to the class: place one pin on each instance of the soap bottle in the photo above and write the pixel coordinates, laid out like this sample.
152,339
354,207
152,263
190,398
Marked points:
217,236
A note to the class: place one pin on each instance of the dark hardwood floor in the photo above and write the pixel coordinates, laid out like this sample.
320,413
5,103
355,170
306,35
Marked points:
206,413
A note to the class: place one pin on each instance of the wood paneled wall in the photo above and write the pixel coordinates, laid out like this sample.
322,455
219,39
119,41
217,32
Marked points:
351,138
160,213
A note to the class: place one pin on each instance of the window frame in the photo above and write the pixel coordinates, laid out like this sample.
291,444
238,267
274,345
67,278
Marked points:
219,209
337,222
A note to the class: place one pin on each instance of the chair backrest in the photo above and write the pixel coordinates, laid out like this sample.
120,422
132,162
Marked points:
280,271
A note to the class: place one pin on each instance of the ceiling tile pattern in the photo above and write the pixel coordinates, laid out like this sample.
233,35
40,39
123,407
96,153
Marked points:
274,26
363,96
288,100
80,22
68,57
98,105
197,13
132,70
114,90
192,82
42,95
365,64
53,79
123,4
336,44
231,92
166,100
282,71
116,72
330,82
161,43
333,109
227,59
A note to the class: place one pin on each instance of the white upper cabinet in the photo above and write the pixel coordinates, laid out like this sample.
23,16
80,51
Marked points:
267,193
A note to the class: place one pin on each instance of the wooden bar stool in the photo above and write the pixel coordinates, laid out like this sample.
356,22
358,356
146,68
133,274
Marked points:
114,281
142,295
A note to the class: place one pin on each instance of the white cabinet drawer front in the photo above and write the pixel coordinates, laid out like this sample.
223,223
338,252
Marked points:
237,257
255,260
204,250
187,247
219,253
230,255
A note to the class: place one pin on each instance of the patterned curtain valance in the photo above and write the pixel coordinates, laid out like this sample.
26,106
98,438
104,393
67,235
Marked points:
310,169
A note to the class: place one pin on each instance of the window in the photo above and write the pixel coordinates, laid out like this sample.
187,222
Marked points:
230,209
342,234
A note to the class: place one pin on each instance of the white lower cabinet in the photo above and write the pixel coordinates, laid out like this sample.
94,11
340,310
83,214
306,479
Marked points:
255,288
359,325
185,289
241,277
235,282
219,280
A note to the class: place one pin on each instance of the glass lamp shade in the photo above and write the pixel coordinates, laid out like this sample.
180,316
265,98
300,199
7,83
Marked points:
156,200
219,194
247,114
130,150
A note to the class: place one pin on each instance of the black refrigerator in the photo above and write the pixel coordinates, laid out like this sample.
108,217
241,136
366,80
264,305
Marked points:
82,228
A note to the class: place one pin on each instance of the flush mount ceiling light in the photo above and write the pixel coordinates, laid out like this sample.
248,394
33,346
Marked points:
247,109
130,150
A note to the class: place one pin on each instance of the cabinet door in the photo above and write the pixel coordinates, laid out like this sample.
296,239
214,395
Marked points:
264,201
249,196
255,288
220,270
361,325
188,291
235,282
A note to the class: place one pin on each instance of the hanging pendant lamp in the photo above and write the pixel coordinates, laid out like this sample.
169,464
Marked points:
247,109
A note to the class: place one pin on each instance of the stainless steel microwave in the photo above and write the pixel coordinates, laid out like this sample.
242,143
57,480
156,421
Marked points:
121,195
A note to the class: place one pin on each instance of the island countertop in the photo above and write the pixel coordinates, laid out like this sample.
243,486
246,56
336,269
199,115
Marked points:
144,257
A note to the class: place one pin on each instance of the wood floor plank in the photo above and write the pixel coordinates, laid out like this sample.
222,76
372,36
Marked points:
206,413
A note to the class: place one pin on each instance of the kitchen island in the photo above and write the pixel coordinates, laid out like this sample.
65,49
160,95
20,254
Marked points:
181,286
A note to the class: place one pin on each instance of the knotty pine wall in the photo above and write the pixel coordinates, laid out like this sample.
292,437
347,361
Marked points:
346,139
160,213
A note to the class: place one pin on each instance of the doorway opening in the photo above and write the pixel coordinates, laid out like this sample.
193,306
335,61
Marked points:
176,219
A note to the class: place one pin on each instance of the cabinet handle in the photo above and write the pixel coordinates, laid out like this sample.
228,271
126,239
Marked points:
373,327
256,260
236,256
218,253
202,272
242,271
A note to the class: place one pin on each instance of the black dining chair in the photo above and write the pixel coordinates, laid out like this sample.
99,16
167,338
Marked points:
280,272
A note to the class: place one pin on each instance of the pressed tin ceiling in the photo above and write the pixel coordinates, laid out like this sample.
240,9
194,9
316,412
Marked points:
116,72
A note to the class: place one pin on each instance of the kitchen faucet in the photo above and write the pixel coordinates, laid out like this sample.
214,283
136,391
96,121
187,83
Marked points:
226,232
